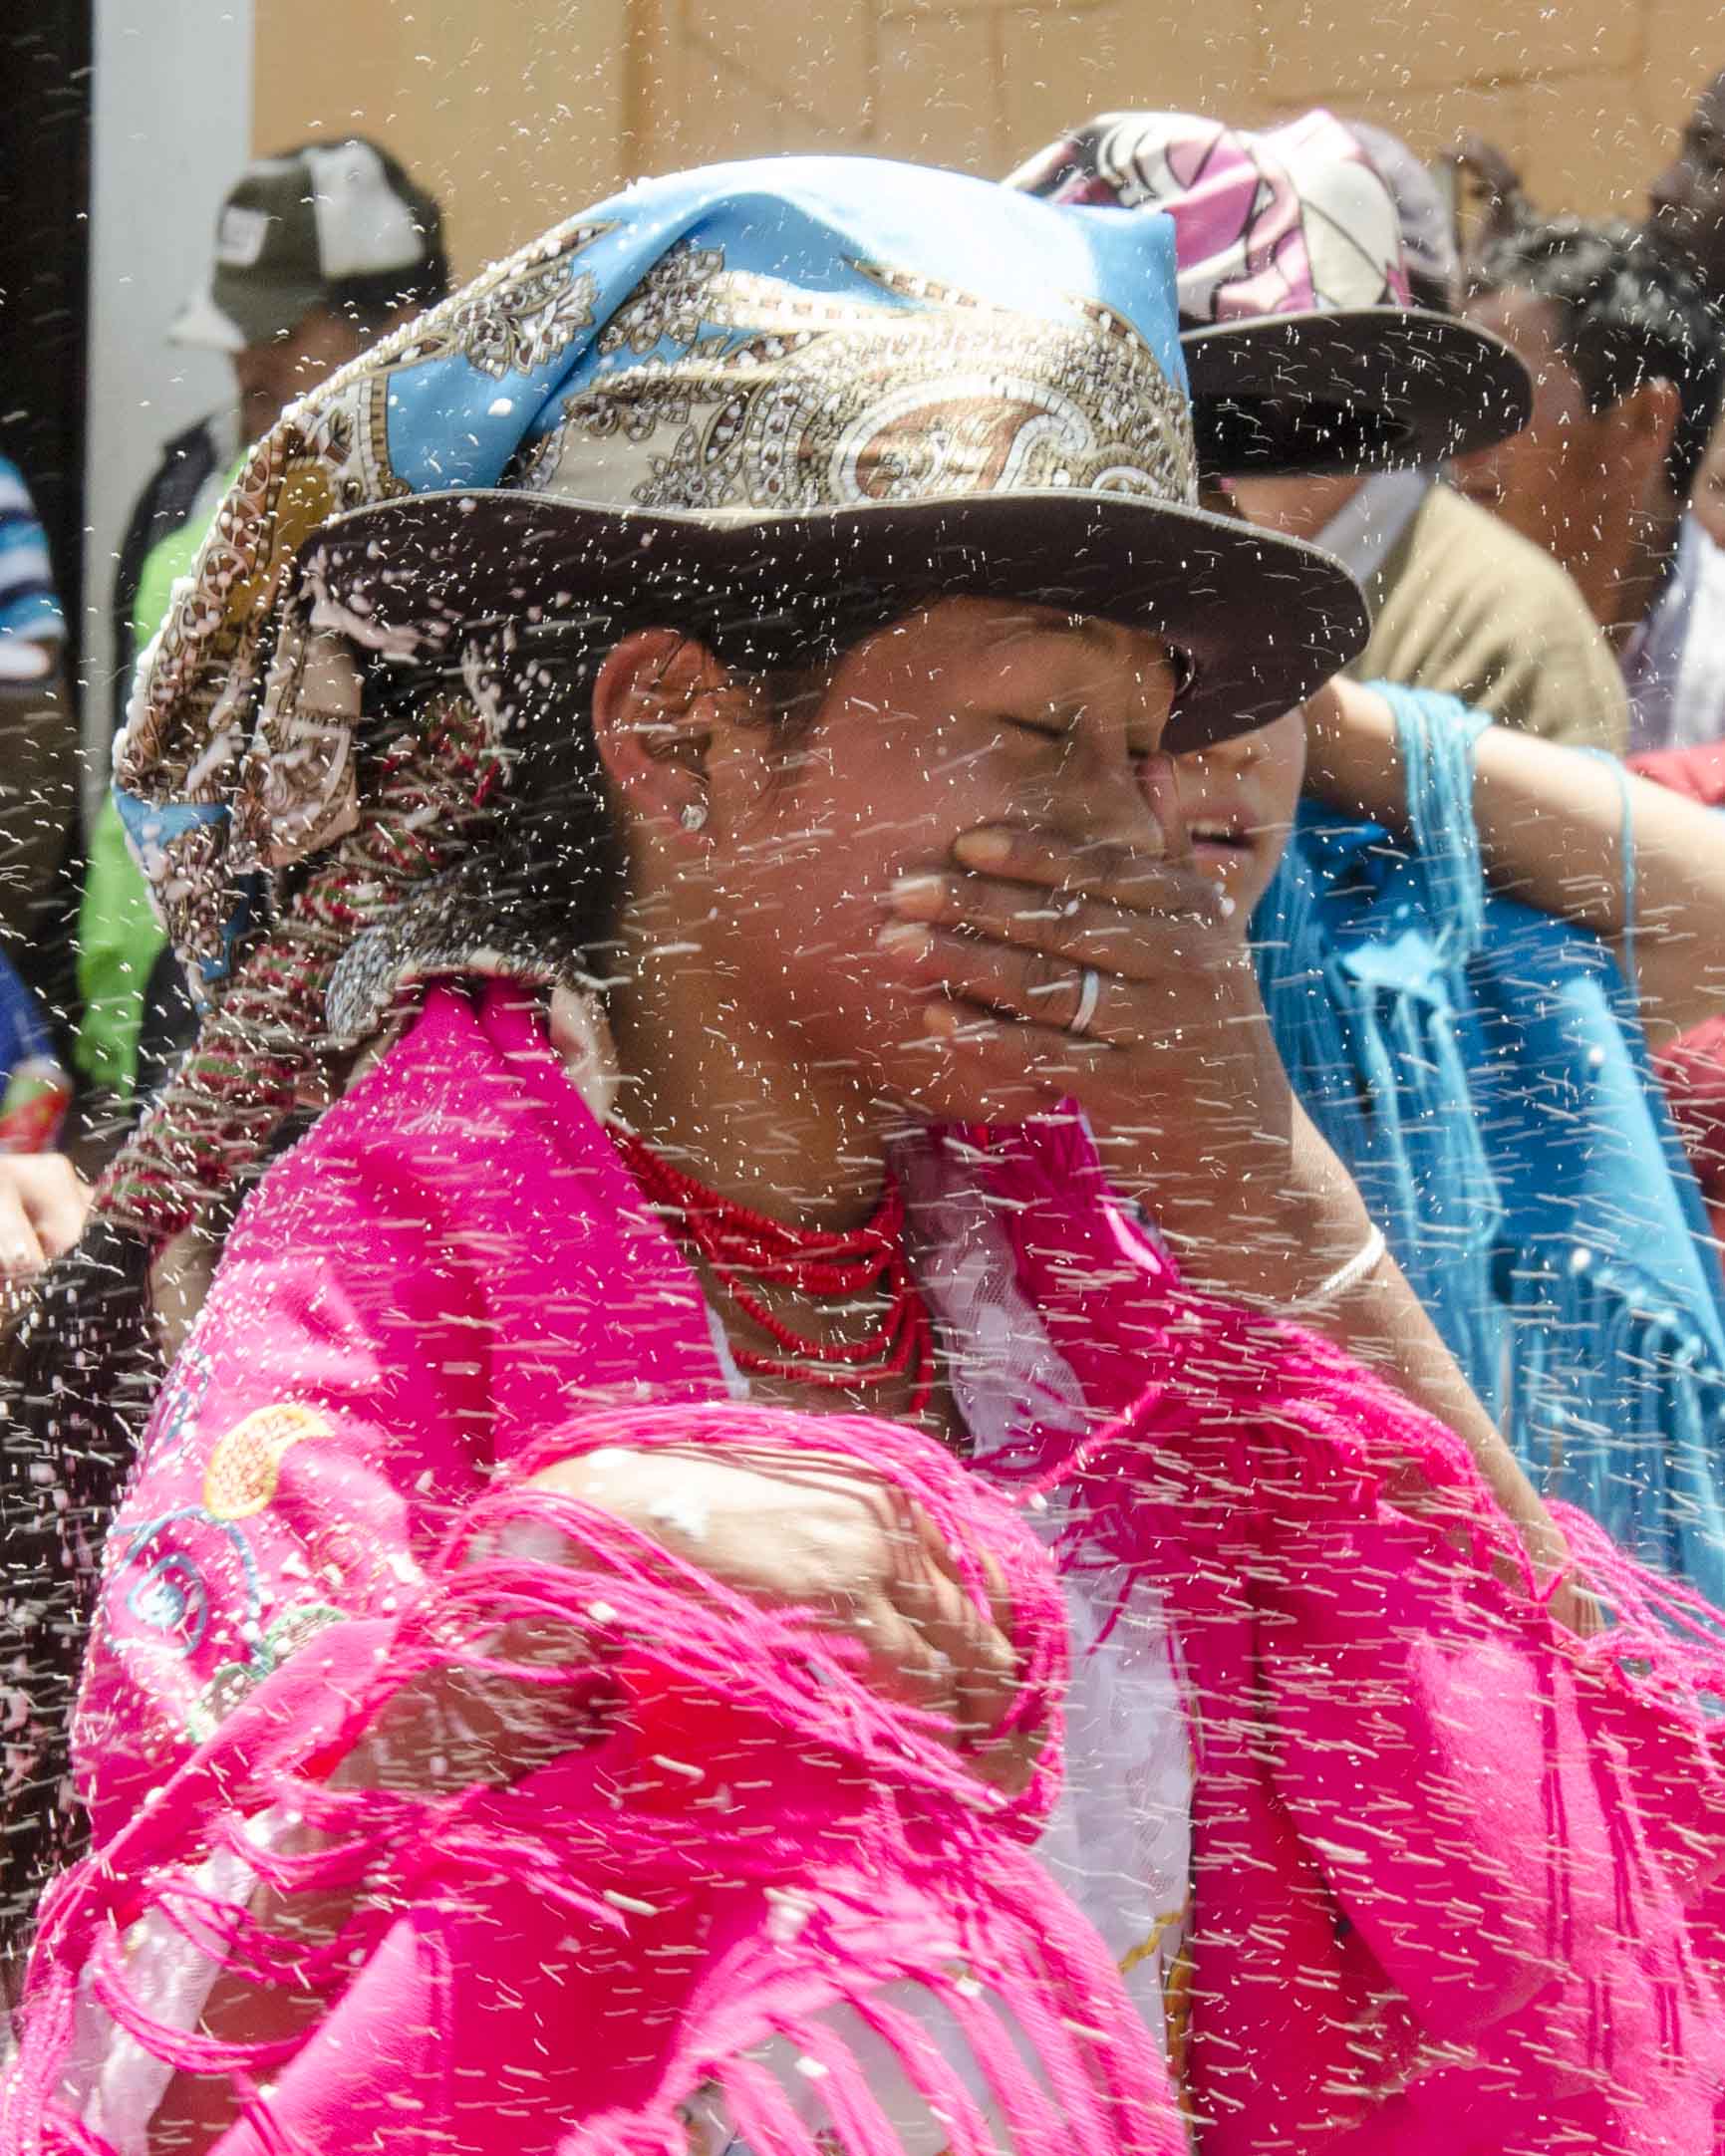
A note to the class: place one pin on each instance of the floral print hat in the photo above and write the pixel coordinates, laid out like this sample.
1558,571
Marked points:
810,389
1302,348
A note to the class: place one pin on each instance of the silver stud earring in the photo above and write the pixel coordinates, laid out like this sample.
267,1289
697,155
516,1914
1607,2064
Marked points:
692,816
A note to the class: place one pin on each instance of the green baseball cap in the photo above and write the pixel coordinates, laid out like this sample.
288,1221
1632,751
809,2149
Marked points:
298,230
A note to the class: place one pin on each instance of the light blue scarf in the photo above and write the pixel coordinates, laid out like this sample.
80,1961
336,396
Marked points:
1481,1069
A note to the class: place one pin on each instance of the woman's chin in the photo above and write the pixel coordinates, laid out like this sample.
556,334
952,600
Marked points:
940,1085
1241,873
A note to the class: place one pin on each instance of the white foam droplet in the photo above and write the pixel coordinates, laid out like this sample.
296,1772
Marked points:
685,1514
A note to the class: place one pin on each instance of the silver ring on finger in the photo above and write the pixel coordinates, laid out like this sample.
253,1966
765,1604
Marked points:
1089,995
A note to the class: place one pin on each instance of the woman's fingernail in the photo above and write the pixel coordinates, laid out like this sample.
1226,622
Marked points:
983,849
917,896
904,939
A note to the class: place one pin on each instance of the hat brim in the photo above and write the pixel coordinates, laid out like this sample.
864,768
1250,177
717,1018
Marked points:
1263,621
233,314
1358,389
203,324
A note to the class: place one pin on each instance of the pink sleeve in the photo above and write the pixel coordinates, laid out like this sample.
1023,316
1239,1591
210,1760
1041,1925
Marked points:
446,1269
325,1421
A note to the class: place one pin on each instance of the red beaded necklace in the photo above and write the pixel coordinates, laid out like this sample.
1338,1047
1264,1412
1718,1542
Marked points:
740,1245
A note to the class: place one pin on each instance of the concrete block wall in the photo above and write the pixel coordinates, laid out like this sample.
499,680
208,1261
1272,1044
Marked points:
513,111
523,108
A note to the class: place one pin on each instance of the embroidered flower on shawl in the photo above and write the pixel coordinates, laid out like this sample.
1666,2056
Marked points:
192,1585
530,324
669,303
237,1680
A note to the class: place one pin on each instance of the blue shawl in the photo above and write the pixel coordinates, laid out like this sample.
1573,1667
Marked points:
24,1035
1481,1069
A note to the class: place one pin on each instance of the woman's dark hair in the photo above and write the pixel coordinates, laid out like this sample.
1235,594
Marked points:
544,883
1428,292
1628,313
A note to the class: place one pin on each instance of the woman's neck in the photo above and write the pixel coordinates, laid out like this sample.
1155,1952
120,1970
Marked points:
790,1136
1652,547
737,1106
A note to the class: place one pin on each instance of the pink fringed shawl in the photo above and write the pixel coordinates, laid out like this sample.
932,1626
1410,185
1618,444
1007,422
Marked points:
1457,1872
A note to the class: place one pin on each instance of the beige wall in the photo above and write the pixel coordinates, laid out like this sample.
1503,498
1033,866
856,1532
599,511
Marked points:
512,112
518,110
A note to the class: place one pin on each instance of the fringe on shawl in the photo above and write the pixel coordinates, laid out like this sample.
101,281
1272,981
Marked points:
1417,1155
1380,1067
994,1944
1244,1422
1632,1435
1253,1437
1202,1463
1608,1391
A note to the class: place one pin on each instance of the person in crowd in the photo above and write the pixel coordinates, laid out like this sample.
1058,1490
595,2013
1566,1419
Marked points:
38,743
320,250
41,1194
1279,225
1686,212
1692,1068
1707,495
1627,364
29,609
518,1702
1686,203
1491,197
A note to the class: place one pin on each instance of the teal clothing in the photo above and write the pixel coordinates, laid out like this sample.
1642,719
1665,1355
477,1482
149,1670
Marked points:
120,938
1481,1070
28,607
119,942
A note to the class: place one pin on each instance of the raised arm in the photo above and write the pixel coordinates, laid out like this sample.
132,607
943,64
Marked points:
1550,826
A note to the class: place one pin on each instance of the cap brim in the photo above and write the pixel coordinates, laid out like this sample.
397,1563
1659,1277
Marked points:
1355,391
1262,620
201,323
255,314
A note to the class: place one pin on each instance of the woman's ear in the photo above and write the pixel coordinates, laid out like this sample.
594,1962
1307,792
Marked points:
652,725
1644,422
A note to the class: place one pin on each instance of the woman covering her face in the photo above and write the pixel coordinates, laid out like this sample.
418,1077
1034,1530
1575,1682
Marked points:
700,1581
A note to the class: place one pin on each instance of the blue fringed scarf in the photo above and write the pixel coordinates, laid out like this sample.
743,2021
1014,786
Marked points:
1481,1069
